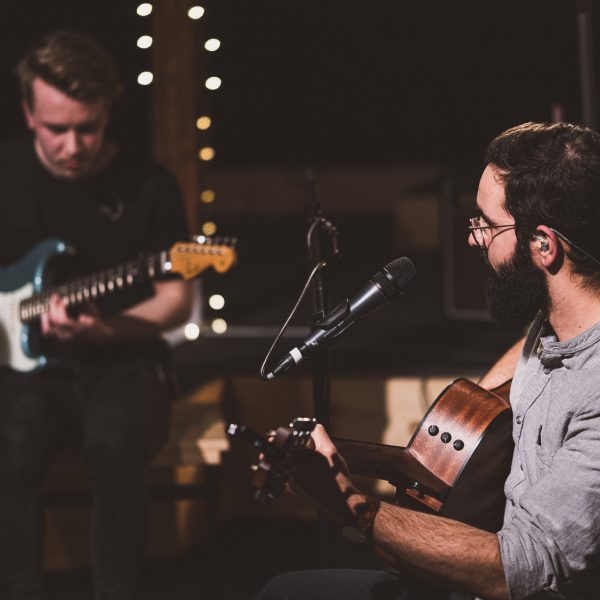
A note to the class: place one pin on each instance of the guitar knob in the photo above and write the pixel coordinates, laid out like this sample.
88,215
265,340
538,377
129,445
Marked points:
458,445
445,437
433,430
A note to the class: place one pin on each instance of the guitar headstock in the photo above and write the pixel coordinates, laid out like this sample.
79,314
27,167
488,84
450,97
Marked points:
189,259
296,435
278,455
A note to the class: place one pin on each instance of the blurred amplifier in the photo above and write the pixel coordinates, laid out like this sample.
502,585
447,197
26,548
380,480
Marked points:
464,274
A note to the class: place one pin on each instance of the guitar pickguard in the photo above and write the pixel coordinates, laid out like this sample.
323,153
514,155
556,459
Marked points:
19,343
15,349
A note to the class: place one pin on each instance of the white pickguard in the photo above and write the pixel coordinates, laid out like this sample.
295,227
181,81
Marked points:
11,331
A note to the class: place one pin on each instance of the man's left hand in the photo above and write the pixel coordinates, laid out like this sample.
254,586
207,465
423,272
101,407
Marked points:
88,325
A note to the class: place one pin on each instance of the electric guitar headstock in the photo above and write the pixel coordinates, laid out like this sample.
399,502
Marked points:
278,454
189,259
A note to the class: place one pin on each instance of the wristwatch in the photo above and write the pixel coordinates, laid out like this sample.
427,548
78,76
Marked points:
360,530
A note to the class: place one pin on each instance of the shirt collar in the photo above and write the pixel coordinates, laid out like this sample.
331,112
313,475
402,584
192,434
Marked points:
551,351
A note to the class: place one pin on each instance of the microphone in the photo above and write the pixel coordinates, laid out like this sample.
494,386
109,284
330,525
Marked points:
386,284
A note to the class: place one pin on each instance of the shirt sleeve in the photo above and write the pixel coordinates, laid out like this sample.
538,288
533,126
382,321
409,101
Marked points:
551,545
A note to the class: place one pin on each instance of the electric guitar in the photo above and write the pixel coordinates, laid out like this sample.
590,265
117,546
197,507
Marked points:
27,285
455,464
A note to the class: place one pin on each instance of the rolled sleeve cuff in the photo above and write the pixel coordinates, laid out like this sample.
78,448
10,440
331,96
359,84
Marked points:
528,565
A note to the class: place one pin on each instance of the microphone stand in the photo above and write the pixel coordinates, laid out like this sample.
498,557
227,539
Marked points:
322,244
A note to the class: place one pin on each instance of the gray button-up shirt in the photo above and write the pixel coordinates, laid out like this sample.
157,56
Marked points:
550,541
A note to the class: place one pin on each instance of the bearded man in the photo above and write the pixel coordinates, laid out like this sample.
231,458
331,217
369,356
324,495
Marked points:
539,224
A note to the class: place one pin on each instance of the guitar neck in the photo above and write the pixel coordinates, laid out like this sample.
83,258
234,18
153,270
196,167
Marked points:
91,287
390,463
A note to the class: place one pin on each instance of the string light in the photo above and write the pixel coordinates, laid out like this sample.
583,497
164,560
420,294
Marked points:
203,122
208,196
144,42
206,153
191,331
145,78
219,326
216,302
144,9
196,12
209,228
213,83
212,44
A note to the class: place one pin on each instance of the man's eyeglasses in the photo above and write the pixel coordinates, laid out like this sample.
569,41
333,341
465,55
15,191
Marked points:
482,233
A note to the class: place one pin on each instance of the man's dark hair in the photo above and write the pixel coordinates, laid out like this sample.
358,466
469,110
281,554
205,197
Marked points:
551,176
72,62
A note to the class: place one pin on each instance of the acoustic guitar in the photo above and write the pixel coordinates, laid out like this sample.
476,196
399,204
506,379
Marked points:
27,285
455,464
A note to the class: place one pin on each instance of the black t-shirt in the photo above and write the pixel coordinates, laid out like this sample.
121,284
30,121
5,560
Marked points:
128,208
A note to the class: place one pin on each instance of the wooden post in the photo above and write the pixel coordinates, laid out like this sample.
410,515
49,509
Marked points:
176,74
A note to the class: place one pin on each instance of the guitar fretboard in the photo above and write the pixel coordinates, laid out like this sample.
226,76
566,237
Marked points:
96,285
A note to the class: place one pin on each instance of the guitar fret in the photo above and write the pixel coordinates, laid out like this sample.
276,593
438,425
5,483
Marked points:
146,267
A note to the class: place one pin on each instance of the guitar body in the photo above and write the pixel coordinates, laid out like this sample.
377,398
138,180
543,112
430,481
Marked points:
457,460
20,342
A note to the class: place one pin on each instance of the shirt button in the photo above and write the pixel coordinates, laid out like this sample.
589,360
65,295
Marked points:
519,419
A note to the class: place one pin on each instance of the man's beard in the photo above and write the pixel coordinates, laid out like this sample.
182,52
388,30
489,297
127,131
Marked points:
516,290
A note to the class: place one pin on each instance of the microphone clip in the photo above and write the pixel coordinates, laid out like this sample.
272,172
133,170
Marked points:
333,317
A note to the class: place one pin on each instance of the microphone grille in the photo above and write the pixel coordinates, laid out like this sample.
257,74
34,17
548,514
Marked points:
395,276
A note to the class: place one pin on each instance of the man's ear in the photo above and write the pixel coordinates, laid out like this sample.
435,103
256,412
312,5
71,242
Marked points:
27,114
545,247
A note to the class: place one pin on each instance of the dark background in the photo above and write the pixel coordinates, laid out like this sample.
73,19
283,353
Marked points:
387,80
339,82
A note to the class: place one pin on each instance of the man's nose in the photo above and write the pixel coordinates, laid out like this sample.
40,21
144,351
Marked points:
471,240
72,142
